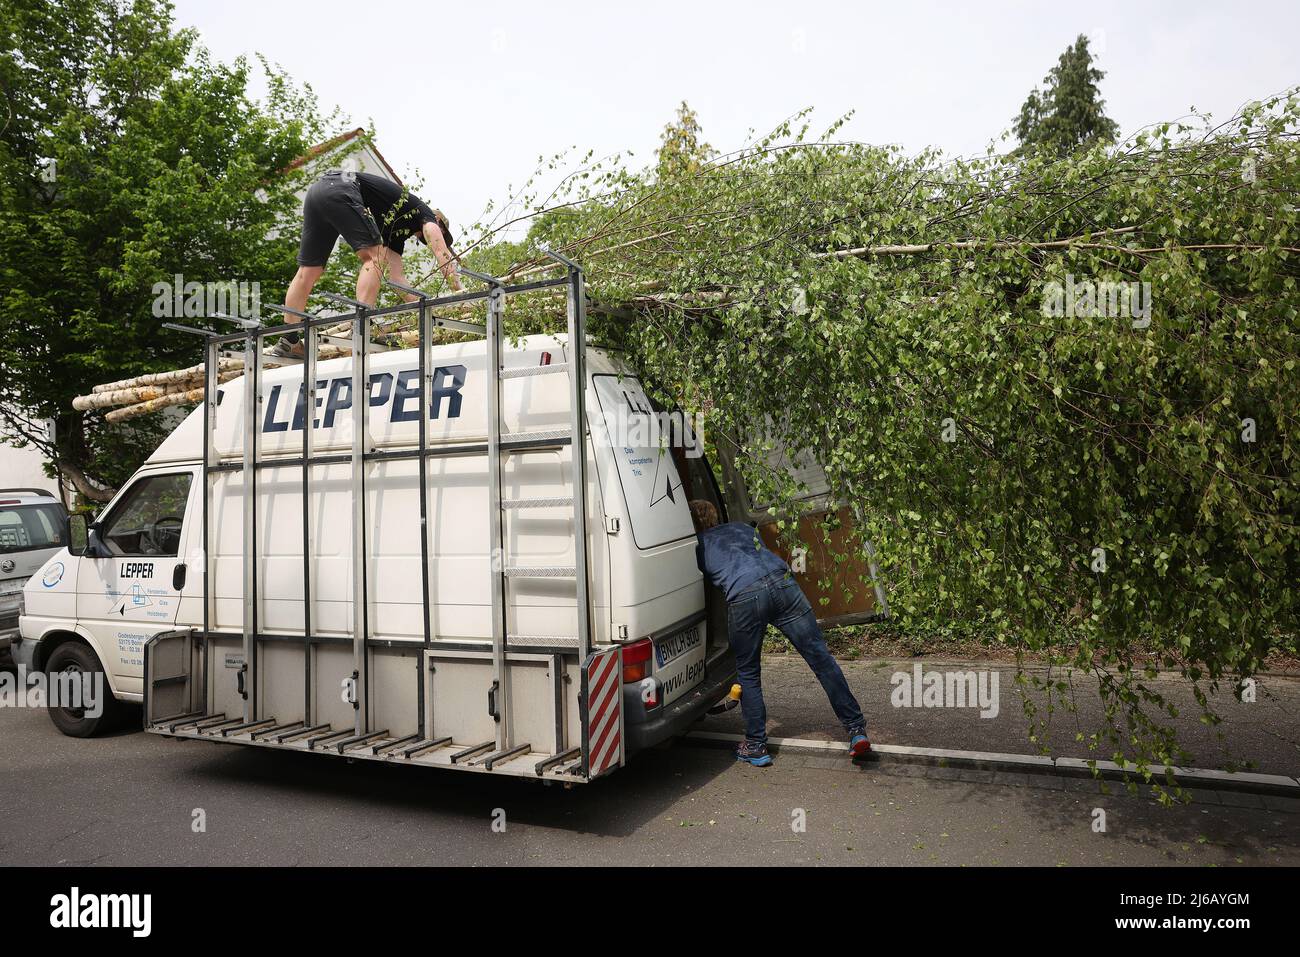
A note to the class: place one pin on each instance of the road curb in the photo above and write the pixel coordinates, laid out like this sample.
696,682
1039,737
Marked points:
1251,782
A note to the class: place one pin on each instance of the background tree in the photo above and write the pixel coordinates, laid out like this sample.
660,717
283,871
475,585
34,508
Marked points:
126,157
681,149
1068,114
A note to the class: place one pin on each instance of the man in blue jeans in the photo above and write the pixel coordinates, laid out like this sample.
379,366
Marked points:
761,591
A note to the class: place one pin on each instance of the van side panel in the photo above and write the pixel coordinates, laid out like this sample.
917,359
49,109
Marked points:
460,562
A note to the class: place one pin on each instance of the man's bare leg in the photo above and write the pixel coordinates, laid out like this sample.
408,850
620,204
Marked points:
445,257
304,281
373,260
289,345
396,273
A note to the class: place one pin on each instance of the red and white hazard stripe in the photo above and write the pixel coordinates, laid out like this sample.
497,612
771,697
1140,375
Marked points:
604,711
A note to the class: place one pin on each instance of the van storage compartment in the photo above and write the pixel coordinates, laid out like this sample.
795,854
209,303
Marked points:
174,673
543,708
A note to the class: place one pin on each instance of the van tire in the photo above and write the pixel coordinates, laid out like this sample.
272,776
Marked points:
74,656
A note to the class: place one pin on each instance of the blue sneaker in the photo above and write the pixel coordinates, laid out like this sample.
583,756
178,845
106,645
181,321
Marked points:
859,746
755,752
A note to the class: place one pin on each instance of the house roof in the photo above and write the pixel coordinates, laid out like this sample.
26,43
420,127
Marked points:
320,149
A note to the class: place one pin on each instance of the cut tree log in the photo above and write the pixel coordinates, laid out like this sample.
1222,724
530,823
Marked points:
142,393
174,378
145,393
153,405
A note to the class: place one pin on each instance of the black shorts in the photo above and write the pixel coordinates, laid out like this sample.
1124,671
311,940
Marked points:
334,208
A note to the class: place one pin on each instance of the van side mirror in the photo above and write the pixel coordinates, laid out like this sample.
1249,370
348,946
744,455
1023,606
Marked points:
84,540
78,534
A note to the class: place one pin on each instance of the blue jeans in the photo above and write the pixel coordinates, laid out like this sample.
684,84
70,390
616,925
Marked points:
778,600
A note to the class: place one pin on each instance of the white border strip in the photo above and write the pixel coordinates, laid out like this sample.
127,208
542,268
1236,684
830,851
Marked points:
1202,775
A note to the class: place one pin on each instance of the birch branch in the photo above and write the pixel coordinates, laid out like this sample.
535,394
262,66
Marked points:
154,405
143,393
918,248
147,393
174,377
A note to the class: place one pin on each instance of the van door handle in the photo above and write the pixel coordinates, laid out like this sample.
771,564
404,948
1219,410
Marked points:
178,577
492,701
239,681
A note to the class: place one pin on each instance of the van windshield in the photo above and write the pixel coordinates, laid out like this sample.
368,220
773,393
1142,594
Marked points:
24,528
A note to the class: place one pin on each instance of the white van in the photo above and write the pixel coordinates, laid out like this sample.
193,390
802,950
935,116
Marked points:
430,681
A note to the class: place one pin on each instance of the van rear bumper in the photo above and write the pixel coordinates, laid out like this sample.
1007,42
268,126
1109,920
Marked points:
647,728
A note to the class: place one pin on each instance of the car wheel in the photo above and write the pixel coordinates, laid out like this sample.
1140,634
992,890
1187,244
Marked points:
75,660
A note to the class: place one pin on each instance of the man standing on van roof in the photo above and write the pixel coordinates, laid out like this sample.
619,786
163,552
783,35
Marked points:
375,216
760,591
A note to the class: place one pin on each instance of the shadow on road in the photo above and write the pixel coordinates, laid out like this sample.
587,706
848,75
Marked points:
651,784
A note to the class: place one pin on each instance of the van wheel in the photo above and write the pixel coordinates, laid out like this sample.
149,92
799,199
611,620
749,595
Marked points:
72,658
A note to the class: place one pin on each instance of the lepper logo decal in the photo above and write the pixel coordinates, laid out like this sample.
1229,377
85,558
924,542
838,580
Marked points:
135,598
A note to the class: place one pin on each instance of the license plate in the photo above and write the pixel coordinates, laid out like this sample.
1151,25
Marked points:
680,658
674,646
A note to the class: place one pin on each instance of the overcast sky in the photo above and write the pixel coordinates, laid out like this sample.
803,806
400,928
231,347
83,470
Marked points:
470,94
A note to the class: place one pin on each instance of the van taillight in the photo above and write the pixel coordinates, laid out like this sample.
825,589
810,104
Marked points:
546,359
636,660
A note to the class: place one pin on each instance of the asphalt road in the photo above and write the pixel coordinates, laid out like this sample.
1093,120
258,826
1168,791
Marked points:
132,798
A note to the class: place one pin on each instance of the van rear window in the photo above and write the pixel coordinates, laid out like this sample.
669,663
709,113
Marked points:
24,528
639,434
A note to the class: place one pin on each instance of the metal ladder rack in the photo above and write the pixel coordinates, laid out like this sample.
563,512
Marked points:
501,445
257,727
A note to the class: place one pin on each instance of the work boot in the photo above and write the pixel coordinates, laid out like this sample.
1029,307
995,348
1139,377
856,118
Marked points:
755,752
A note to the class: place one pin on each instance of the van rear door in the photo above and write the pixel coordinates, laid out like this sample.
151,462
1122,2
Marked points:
666,591
129,595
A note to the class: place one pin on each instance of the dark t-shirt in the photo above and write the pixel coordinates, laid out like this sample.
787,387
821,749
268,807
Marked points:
398,212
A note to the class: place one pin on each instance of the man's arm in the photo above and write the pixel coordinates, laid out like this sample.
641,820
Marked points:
446,260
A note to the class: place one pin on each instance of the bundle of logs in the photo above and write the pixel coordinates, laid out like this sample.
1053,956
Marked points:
129,398
144,394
